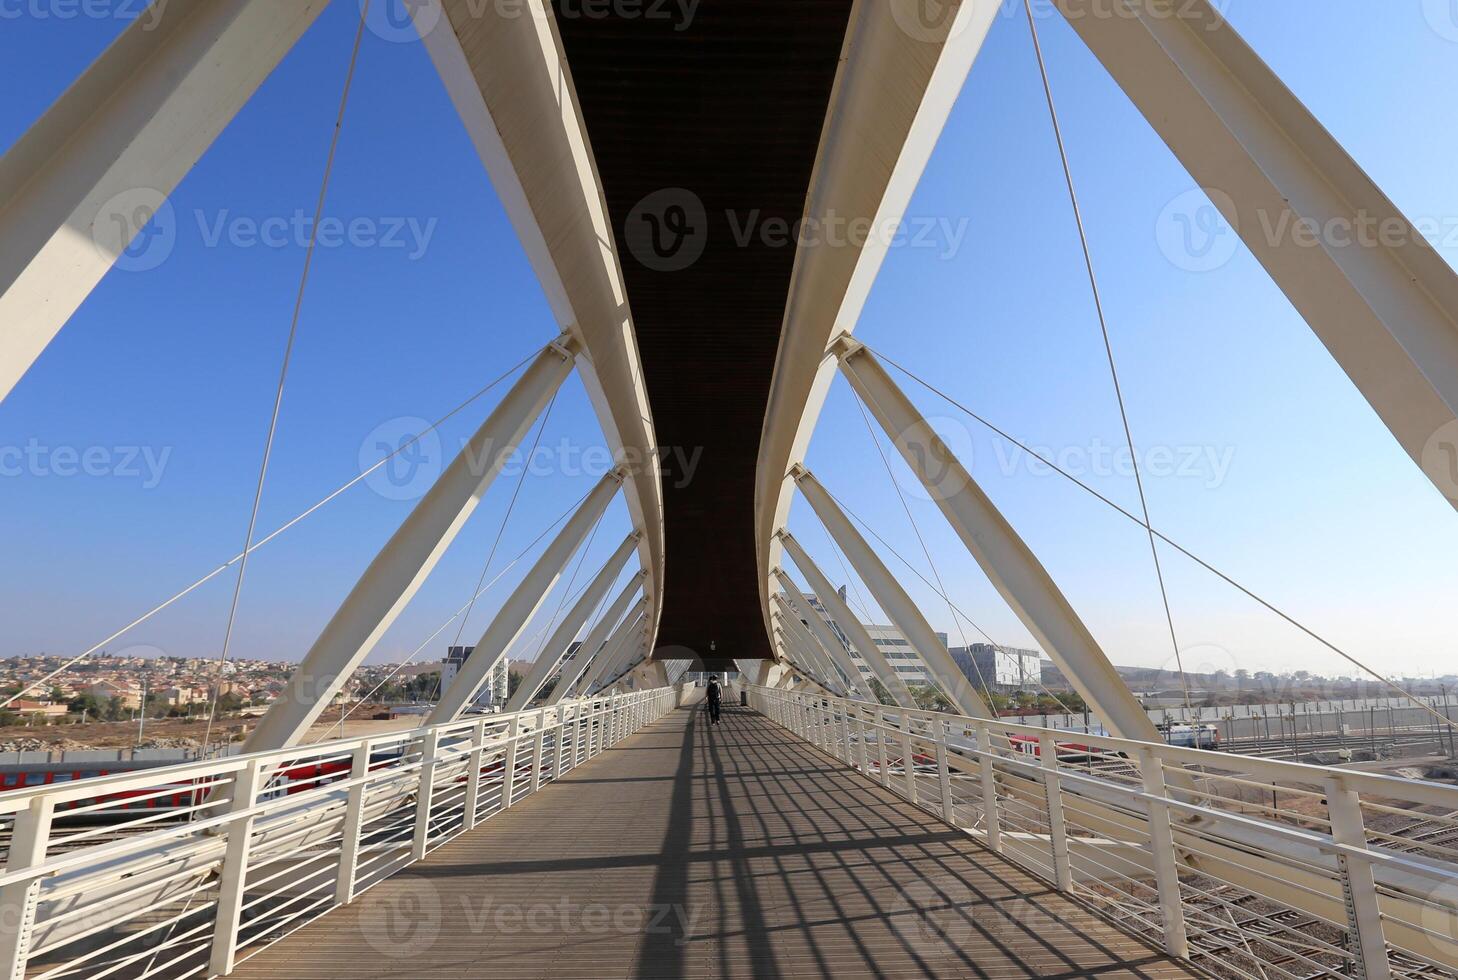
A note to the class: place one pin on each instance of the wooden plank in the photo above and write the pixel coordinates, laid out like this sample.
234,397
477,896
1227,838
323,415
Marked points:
699,852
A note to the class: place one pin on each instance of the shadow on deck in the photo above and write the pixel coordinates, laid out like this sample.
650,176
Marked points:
691,851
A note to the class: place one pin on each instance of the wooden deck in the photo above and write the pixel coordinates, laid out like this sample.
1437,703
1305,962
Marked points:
691,851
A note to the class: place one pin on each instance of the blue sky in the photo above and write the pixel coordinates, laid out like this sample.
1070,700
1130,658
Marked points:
1273,467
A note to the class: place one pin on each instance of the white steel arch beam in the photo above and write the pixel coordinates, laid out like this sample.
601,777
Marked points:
556,646
82,182
1384,302
802,652
402,565
822,632
899,78
892,598
1008,562
633,626
505,72
509,622
802,647
600,634
850,624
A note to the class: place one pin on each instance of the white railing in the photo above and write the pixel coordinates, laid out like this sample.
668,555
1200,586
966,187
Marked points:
184,870
1247,867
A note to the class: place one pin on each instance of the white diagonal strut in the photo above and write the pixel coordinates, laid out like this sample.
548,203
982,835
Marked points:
891,597
633,625
792,622
1382,300
597,637
82,183
1009,563
509,622
556,646
822,631
405,561
842,615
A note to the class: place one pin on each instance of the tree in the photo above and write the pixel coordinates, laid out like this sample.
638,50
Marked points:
229,703
513,681
87,704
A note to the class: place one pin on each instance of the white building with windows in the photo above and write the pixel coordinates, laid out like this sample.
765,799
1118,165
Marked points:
497,687
892,643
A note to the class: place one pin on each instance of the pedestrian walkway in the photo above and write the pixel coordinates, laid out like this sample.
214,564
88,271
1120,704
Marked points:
690,851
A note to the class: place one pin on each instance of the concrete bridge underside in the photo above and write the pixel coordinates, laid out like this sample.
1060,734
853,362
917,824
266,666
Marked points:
691,851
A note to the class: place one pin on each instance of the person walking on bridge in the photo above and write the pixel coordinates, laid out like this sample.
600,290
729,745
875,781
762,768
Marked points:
715,698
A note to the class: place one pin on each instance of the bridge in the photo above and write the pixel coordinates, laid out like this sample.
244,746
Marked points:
834,823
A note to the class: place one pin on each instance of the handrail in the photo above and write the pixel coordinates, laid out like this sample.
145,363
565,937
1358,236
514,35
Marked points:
260,842
1244,865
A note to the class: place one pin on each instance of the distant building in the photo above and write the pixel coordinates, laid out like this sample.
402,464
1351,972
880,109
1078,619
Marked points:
1000,667
129,696
892,643
494,691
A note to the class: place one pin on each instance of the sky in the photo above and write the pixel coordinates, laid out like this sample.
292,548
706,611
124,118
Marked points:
1258,454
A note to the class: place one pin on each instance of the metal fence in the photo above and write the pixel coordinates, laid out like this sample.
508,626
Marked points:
1247,867
184,870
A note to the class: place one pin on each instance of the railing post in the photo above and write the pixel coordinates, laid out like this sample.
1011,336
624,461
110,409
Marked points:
861,742
1364,914
1057,828
986,761
881,747
424,794
508,762
233,878
539,748
845,753
562,737
475,760
908,768
359,769
29,841
944,772
1161,845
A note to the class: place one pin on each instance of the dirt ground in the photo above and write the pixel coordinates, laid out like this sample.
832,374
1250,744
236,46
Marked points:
185,733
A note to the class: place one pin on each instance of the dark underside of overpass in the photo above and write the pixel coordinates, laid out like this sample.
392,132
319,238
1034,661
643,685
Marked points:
705,130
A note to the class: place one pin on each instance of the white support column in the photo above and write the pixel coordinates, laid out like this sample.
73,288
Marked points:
509,622
823,633
849,623
633,625
1364,910
599,638
77,188
1057,825
991,818
359,770
233,878
29,842
1166,864
1382,300
475,762
556,646
892,598
1010,564
425,794
403,564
